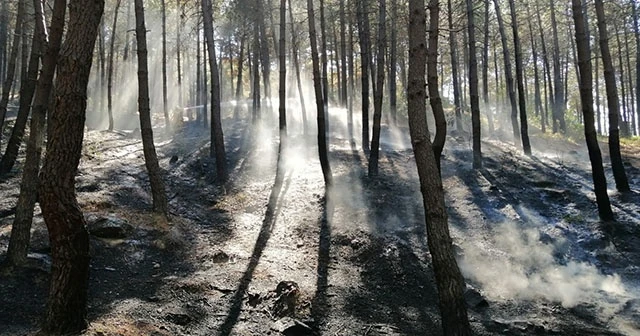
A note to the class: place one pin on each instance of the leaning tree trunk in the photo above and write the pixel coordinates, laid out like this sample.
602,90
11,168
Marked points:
378,91
67,303
586,96
508,74
150,159
449,280
432,82
112,44
622,184
473,88
317,87
522,95
217,138
21,228
11,68
27,89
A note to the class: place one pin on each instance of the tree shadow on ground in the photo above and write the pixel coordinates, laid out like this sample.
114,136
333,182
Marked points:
274,206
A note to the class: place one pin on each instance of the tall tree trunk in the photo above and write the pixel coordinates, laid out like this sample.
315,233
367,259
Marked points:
485,67
67,303
323,59
393,91
343,54
509,76
11,68
449,280
282,109
198,95
317,87
586,95
180,13
536,70
632,118
457,95
217,138
619,174
150,159
4,36
27,89
296,64
165,108
597,88
558,100
239,84
21,228
365,55
255,91
352,84
205,91
636,32
432,81
623,113
522,95
112,44
549,97
377,98
473,88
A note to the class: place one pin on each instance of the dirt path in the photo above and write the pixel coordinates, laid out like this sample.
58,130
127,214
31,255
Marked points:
355,259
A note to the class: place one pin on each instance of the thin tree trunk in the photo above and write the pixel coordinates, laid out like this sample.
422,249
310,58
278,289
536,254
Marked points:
632,118
473,88
217,138
636,32
536,70
377,98
509,76
522,95
363,34
67,303
112,44
485,68
323,59
393,91
558,101
179,11
619,174
11,69
282,109
432,82
296,65
317,86
255,91
457,95
623,113
586,95
165,108
449,280
21,228
27,89
597,87
549,98
150,159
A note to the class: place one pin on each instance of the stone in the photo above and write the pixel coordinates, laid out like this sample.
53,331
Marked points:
109,227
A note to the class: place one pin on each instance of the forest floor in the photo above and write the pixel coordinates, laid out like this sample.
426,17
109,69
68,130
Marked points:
248,259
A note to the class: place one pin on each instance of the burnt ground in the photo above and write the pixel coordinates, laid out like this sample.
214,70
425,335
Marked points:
536,258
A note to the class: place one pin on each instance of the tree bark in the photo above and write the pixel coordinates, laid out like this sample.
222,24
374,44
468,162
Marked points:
508,74
165,108
536,71
317,86
454,70
282,109
67,303
363,35
586,96
549,97
150,159
558,101
217,138
636,32
21,228
449,280
473,87
622,184
377,95
522,95
296,64
485,68
11,68
112,44
27,89
432,82
393,61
